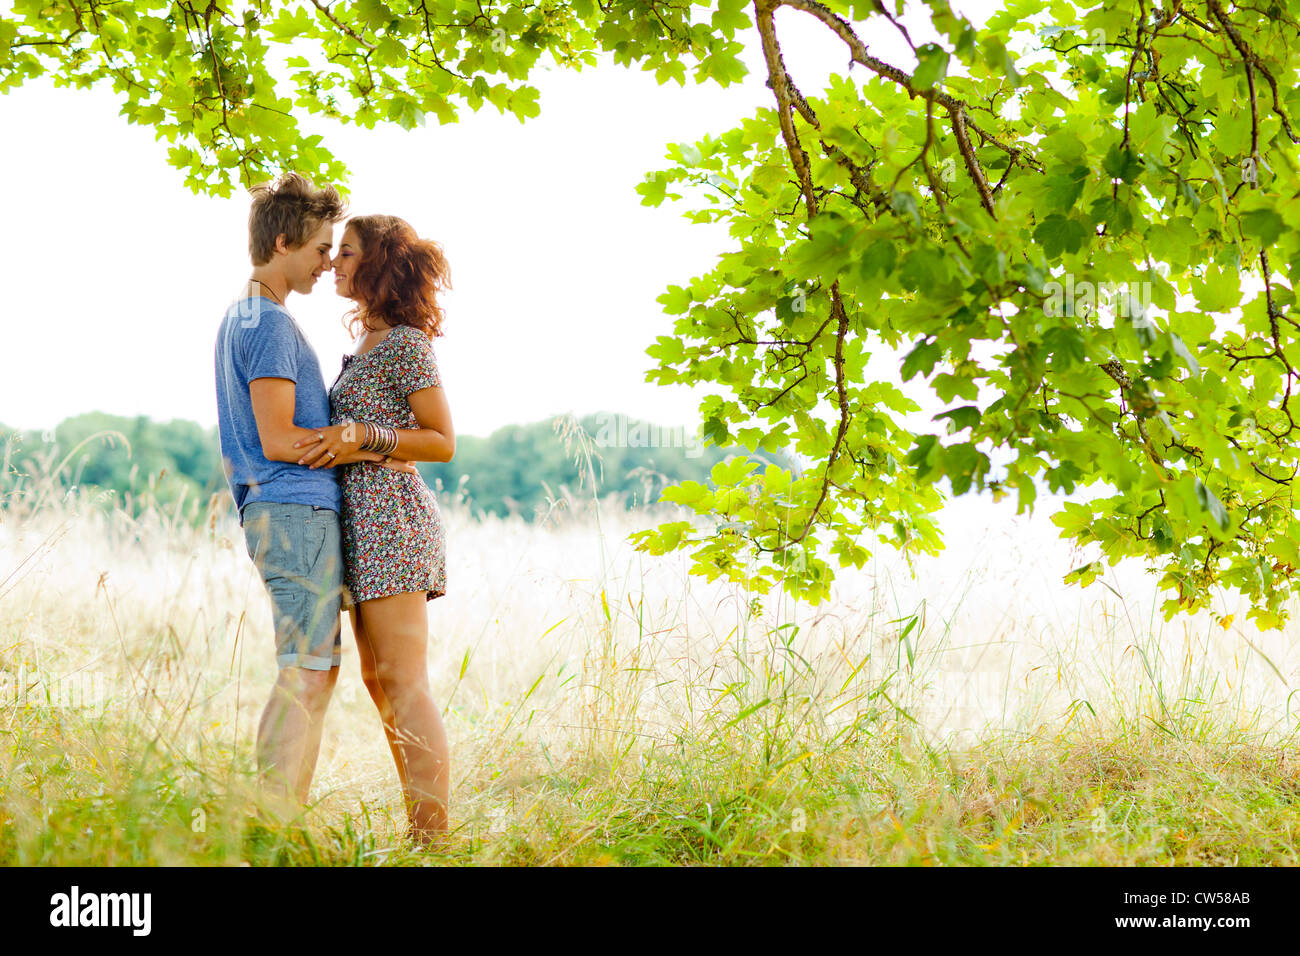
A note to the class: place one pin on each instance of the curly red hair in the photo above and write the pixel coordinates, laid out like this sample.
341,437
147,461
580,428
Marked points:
398,276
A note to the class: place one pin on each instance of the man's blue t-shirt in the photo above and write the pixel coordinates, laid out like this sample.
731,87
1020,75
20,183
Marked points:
259,339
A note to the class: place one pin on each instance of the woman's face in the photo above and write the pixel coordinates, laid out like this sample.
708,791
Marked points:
346,261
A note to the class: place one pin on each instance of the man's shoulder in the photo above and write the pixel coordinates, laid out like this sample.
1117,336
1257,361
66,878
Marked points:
252,312
250,317
257,334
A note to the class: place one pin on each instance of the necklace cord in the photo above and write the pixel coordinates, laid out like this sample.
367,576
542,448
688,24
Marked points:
274,298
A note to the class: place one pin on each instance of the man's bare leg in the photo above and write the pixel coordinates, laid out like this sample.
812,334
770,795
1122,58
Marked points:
288,736
315,729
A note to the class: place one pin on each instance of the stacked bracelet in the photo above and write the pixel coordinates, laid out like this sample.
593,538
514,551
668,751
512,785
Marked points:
379,438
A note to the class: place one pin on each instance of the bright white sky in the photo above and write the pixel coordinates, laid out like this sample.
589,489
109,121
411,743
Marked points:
118,275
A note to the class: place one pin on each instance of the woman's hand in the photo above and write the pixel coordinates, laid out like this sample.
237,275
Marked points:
333,445
389,462
394,464
334,439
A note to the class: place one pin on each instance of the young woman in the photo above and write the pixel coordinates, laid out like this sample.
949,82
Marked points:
388,399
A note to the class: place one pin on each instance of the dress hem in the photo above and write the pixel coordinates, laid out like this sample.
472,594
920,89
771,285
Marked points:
430,594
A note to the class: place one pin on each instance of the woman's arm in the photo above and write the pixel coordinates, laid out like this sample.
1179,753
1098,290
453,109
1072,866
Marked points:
434,440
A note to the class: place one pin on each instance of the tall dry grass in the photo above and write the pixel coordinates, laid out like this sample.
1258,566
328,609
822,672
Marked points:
604,706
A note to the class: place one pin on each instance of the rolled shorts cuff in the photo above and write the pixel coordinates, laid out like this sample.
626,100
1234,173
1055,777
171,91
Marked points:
309,663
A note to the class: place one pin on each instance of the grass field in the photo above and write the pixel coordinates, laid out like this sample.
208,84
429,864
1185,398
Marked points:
605,708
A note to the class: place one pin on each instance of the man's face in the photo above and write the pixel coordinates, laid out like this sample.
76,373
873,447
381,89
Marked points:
304,265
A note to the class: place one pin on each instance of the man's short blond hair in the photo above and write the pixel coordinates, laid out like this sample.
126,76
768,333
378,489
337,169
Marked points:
290,206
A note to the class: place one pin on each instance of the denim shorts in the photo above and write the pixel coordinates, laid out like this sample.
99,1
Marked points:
298,550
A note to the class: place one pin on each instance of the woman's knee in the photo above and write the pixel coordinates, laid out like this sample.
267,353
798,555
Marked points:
374,687
403,686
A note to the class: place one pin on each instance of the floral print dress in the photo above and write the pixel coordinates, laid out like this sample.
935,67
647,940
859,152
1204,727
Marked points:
393,538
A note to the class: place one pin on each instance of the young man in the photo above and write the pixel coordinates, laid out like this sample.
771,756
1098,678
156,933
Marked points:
270,394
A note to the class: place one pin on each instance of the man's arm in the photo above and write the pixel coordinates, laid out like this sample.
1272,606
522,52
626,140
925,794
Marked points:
273,403
433,440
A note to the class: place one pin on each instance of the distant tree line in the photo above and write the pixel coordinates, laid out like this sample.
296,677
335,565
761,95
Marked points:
519,469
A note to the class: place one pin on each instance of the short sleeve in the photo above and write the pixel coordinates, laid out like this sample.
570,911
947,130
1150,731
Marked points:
269,347
411,364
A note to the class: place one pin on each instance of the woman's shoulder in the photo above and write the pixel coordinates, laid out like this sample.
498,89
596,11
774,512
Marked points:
409,332
409,361
407,338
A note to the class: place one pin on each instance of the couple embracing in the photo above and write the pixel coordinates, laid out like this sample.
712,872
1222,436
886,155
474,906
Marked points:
334,513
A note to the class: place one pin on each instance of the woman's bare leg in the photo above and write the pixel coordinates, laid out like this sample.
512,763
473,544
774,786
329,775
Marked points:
368,677
397,630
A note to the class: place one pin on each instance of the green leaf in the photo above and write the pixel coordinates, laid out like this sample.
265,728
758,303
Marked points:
966,416
1066,345
1059,234
921,359
931,67
652,190
905,205
1210,502
963,463
715,431
997,58
924,454
1262,224
1122,163
689,154
1161,533
922,268
676,300
1062,192
878,259
1114,213
1185,354
1085,574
